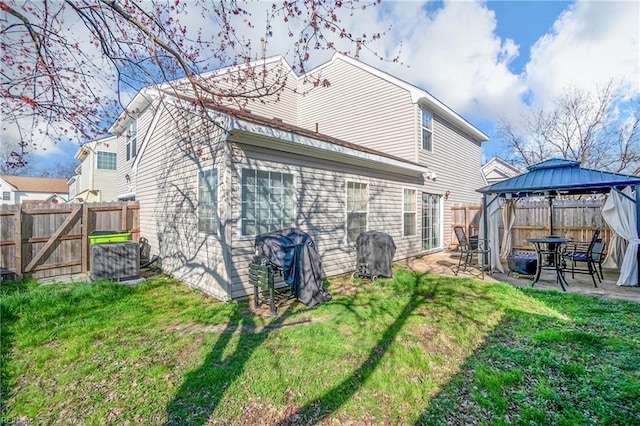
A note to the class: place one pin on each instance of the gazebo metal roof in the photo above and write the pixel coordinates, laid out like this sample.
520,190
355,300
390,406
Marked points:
560,176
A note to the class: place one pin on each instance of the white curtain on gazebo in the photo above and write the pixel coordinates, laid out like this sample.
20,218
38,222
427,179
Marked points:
508,219
615,252
620,213
493,234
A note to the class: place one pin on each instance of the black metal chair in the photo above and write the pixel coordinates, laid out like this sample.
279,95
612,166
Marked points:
468,247
591,253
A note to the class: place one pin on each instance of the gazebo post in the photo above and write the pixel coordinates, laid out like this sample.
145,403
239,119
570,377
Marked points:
485,225
638,229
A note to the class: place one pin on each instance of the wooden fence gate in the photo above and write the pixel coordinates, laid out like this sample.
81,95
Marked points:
44,240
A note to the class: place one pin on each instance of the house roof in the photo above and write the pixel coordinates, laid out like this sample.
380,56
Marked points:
419,96
277,124
107,143
497,169
560,176
37,184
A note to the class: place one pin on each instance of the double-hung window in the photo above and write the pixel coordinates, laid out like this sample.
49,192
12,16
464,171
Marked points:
267,201
106,160
6,195
208,202
427,130
409,210
357,209
132,139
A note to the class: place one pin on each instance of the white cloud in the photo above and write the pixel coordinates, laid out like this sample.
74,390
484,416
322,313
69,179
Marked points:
450,50
592,42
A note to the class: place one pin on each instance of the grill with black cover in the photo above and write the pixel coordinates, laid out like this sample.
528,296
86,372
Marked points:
294,253
375,252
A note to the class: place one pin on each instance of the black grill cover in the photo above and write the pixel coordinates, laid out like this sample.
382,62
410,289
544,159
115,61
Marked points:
376,249
295,253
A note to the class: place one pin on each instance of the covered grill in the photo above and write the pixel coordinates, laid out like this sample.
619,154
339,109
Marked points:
375,255
294,252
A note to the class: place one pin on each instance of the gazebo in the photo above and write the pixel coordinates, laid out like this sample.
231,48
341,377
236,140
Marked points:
555,177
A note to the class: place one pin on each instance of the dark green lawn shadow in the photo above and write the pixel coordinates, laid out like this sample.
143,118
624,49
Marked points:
544,369
196,400
317,410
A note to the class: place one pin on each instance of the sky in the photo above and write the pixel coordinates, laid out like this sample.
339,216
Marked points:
486,59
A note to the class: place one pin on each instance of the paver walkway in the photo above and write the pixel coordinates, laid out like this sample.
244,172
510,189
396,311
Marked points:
445,263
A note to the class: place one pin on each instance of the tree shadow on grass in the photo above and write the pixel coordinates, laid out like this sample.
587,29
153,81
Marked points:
317,410
544,369
203,389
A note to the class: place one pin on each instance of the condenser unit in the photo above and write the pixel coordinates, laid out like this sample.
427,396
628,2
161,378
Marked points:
116,261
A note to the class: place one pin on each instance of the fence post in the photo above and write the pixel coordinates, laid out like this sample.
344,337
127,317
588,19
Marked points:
123,216
85,237
17,240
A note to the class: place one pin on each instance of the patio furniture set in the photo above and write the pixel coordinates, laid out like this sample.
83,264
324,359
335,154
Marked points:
561,255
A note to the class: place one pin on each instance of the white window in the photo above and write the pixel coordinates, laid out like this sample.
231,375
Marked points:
427,130
267,201
357,209
132,139
106,160
6,195
208,202
409,210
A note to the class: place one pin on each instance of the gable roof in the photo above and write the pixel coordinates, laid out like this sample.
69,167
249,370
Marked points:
37,184
107,143
145,96
560,176
497,169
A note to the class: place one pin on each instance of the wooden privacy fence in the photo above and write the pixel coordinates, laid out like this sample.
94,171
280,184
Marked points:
575,219
44,240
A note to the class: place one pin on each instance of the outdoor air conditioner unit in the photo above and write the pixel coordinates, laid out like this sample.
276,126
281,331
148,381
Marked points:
116,261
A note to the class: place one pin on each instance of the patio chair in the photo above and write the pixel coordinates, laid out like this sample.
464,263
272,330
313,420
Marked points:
468,247
591,253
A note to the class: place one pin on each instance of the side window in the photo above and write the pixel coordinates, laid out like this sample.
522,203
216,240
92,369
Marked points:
409,211
357,209
267,201
427,130
106,160
6,195
132,139
208,202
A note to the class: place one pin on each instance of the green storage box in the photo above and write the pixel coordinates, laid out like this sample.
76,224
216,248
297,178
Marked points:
100,237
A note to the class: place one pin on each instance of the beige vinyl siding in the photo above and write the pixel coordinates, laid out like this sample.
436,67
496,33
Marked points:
456,160
104,181
360,108
85,178
320,198
167,189
280,104
123,166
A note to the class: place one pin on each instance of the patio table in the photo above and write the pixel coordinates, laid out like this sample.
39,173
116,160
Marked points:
549,257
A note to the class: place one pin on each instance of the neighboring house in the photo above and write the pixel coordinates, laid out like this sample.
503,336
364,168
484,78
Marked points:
496,170
368,152
26,189
95,178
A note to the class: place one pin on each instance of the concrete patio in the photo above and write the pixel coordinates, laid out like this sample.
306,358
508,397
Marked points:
445,263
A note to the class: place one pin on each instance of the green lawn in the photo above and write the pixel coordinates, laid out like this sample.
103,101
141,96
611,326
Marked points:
419,349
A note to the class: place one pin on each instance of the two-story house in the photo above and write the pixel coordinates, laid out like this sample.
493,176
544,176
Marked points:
95,178
28,189
365,152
